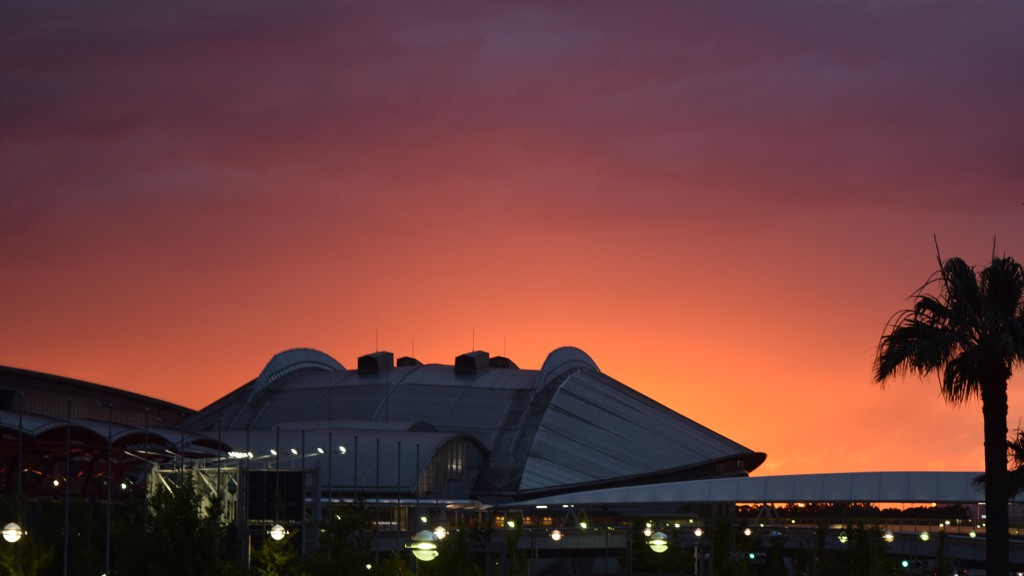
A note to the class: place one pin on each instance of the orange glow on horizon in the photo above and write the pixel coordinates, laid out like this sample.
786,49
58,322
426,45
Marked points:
723,212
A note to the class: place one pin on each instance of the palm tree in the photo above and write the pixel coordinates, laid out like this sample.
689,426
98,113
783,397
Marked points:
1015,477
971,334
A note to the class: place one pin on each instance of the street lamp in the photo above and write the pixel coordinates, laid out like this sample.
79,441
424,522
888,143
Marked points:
658,542
277,532
424,545
13,532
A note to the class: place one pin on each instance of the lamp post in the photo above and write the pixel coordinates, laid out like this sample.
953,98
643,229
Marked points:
13,532
110,457
424,545
21,468
658,542
67,489
277,532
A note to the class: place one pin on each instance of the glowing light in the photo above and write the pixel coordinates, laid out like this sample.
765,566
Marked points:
843,538
12,532
924,536
747,531
887,536
556,535
319,450
277,532
424,545
698,532
440,532
342,449
658,542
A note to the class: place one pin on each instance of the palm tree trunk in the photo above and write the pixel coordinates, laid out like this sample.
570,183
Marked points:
997,497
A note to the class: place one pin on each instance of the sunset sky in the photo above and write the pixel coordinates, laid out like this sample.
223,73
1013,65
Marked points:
721,202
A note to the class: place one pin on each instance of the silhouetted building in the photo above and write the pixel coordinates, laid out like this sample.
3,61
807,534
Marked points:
478,431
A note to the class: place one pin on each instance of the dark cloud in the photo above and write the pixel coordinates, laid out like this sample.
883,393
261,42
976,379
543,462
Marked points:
801,102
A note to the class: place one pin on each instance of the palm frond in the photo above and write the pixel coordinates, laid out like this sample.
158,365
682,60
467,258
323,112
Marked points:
1002,282
959,379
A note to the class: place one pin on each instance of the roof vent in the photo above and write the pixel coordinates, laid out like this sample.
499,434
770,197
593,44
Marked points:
502,362
472,362
375,363
409,361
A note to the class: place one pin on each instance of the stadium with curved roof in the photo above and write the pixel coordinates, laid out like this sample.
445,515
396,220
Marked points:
479,430
473,444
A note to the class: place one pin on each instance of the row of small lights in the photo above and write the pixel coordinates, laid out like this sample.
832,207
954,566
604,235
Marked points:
236,455
658,541
424,543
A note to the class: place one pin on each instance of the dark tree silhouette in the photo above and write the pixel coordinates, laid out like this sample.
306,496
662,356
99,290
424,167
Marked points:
971,334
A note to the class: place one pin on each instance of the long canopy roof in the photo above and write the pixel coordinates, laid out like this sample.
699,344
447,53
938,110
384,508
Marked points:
880,487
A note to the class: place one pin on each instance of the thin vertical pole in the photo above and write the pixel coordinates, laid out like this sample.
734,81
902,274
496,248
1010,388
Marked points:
398,499
330,472
243,493
219,489
416,477
302,460
21,468
145,456
181,473
376,532
21,464
67,488
110,479
277,475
